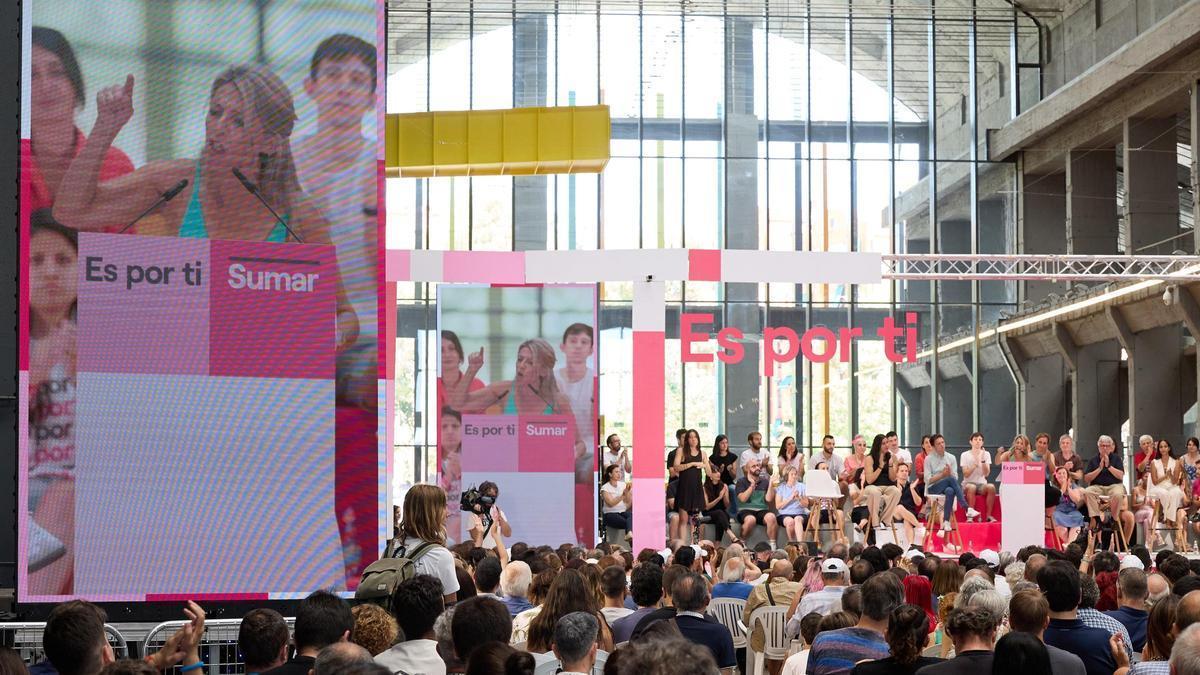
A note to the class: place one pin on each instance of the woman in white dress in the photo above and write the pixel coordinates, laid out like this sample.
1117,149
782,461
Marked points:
1164,487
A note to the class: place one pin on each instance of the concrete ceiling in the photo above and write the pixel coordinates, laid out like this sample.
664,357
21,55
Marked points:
408,29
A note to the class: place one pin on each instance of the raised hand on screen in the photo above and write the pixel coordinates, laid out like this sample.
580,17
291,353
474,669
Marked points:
475,359
114,107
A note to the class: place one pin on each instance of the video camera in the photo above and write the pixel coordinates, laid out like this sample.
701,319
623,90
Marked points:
472,497
476,502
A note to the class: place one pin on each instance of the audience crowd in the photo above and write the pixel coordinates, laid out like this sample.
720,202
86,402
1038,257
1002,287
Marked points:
855,609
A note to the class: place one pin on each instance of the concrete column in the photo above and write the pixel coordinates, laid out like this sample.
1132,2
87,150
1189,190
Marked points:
1041,226
1190,309
917,408
1095,395
741,225
1046,400
1151,183
954,236
954,400
997,405
1092,202
1155,379
530,193
1042,390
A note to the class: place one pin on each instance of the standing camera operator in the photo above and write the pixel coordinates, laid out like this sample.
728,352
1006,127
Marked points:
486,522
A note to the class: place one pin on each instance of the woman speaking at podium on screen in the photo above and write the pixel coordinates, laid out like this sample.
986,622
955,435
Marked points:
533,391
245,171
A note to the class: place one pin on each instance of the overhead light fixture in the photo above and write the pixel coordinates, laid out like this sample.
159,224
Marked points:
1054,313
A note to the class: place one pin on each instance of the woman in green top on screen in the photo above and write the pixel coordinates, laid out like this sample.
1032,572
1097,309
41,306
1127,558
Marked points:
248,127
533,391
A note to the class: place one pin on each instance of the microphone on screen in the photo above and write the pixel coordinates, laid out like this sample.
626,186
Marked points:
162,199
253,189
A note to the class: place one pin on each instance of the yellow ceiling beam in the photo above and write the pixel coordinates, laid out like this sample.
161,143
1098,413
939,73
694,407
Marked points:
514,142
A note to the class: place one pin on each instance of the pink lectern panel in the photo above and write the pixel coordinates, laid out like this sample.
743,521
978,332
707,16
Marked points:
1022,500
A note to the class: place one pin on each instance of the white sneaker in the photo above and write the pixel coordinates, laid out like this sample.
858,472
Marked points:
972,514
945,526
44,548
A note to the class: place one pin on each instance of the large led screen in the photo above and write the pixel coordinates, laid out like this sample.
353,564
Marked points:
200,362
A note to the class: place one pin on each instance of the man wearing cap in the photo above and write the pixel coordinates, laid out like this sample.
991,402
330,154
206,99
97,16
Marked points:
825,601
997,576
1131,600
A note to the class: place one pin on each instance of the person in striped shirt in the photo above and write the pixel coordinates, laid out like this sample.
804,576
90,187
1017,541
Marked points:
835,652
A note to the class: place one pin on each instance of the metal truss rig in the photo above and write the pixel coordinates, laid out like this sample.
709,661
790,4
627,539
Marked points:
985,267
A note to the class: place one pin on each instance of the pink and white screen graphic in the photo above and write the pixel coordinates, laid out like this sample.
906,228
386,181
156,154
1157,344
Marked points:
204,436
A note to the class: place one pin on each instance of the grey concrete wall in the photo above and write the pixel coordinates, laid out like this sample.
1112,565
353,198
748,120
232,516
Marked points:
1095,29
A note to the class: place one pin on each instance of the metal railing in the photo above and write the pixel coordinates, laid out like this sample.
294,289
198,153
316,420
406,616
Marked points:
218,649
26,639
967,267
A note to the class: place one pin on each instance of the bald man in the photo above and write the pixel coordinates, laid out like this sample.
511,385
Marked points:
1032,566
1158,587
339,657
783,591
1188,612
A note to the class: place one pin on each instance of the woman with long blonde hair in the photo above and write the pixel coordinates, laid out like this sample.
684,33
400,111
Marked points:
248,129
532,391
423,536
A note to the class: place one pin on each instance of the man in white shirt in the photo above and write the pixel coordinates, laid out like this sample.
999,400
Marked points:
902,455
490,537
834,463
416,604
976,465
578,382
614,454
575,643
826,601
756,452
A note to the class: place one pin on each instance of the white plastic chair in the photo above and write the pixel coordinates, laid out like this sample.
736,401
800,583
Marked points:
728,612
775,646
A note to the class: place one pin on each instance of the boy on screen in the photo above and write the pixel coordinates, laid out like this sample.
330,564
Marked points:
336,167
577,381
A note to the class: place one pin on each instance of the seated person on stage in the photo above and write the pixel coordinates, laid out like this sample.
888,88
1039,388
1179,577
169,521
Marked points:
941,478
755,491
1067,518
1147,453
860,514
716,506
1066,456
1164,488
618,499
828,508
911,500
1105,474
902,455
976,465
831,461
791,503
